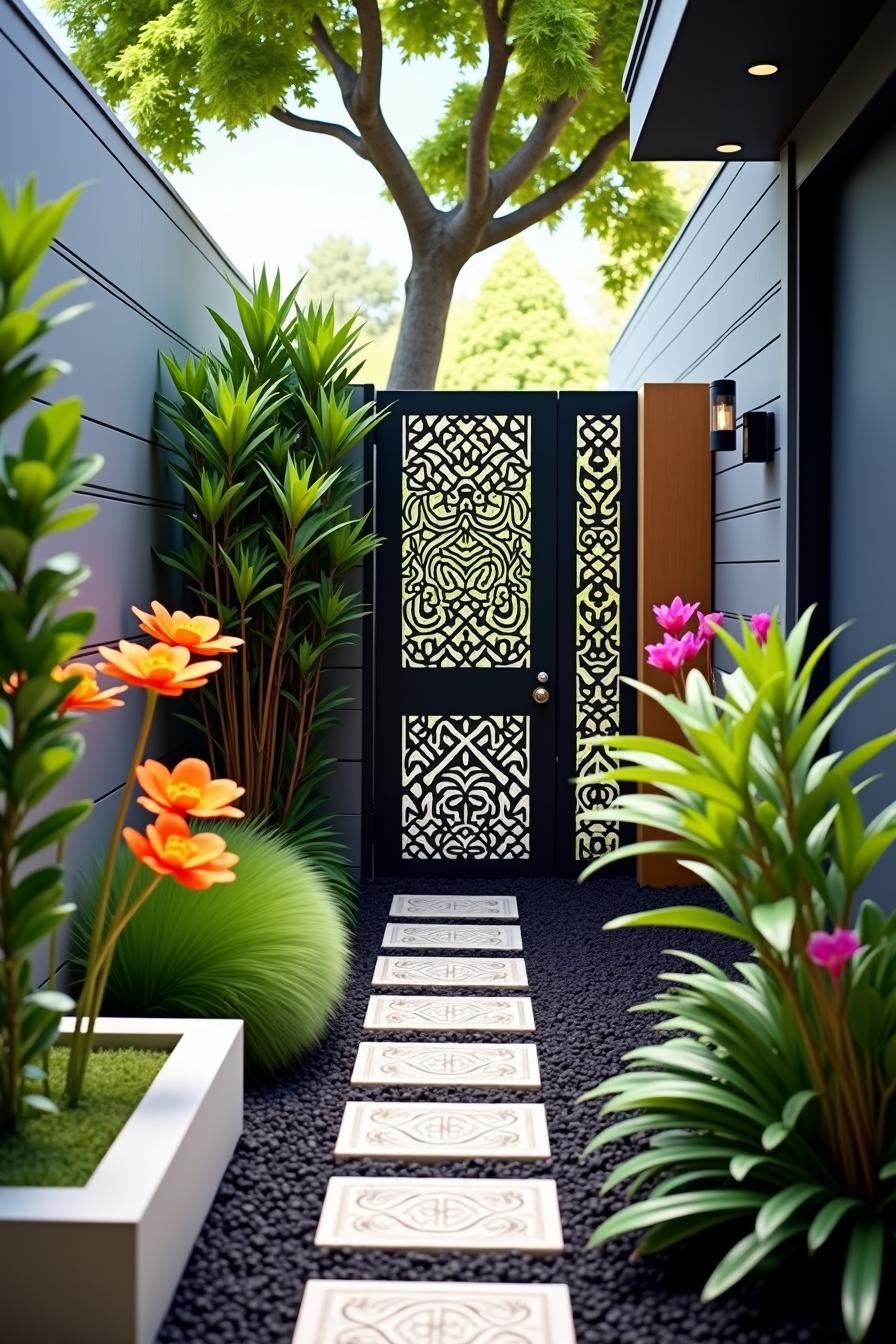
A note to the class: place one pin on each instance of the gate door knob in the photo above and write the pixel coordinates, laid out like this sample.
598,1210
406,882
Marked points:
541,695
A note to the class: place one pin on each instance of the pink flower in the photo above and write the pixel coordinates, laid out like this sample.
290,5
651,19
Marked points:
706,627
760,624
672,653
833,950
674,617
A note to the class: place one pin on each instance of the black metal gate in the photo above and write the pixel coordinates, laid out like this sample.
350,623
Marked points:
501,625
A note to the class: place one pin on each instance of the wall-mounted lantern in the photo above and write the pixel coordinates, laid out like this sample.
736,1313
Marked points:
759,436
722,416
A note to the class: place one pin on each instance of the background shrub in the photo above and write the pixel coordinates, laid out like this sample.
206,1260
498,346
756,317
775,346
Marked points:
270,948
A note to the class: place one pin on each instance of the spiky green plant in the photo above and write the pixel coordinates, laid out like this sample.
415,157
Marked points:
264,433
271,949
39,629
771,1100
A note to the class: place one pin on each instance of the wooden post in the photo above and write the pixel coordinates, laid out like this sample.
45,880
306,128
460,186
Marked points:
674,547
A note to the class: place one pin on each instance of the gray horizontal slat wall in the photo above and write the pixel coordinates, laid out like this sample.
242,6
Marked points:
150,271
715,309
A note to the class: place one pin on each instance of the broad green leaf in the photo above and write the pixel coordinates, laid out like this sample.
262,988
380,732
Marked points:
861,1279
684,917
649,1212
52,828
742,1259
775,922
828,1218
781,1206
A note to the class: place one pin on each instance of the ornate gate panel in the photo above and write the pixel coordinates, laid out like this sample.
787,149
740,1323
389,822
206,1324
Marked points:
487,633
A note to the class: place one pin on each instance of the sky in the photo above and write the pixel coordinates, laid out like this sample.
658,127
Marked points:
270,194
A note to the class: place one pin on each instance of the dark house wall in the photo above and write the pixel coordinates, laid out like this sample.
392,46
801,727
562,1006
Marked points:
150,270
715,309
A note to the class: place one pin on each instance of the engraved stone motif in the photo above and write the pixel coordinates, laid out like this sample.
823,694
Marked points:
435,1131
341,1311
443,1013
432,1064
454,907
500,937
430,1213
452,972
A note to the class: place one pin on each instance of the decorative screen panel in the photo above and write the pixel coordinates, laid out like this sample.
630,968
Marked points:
465,787
598,536
466,549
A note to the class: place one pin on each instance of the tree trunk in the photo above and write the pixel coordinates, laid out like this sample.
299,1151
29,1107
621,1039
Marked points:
428,290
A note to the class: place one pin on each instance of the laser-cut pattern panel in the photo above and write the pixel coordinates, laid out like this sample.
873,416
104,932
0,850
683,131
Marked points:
598,636
466,548
465,787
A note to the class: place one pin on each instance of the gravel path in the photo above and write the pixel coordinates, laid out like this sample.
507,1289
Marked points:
244,1280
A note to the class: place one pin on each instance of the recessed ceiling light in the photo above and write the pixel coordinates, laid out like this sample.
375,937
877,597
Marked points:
729,149
763,68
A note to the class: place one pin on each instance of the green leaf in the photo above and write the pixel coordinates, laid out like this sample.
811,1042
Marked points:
684,917
781,1206
38,1102
649,1212
827,1219
742,1164
52,1000
795,1106
861,1279
52,828
775,922
741,1260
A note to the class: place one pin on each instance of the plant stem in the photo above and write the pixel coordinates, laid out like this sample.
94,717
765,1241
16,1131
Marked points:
79,1051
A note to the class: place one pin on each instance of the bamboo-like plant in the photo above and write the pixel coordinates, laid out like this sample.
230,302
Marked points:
263,434
772,1097
38,746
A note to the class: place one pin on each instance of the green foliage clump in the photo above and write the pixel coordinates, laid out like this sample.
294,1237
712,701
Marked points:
270,948
769,1103
66,1149
519,333
265,430
38,747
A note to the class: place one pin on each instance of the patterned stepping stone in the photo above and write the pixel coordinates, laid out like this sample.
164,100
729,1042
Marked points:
430,1064
439,1132
499,938
436,1213
441,1012
337,1310
454,907
452,972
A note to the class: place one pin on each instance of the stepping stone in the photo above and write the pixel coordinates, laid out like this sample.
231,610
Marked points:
432,1213
441,1012
500,938
430,1064
438,1132
455,907
335,1311
452,972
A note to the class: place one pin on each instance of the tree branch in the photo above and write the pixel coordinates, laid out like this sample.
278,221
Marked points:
479,140
321,128
367,91
533,212
346,74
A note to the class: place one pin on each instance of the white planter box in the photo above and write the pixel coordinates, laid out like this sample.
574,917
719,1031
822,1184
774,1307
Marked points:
99,1263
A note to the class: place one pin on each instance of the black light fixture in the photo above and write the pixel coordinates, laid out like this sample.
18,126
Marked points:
722,416
759,436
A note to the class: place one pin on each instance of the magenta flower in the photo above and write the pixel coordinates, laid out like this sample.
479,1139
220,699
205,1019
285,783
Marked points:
760,624
674,617
707,624
833,950
672,653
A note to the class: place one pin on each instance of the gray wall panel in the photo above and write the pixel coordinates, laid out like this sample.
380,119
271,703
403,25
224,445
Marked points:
715,309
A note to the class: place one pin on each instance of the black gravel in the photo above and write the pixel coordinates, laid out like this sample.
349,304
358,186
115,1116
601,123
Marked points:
245,1278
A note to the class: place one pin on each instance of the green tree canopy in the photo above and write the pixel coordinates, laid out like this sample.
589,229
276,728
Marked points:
535,123
341,272
519,333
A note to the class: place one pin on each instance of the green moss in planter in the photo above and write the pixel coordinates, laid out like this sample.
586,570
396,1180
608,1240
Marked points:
65,1149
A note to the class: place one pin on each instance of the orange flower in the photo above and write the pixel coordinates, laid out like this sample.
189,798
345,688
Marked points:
199,634
87,694
188,790
162,667
168,848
